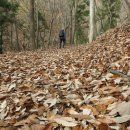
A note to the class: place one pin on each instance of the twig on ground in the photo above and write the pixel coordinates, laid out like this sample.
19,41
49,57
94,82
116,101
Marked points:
120,74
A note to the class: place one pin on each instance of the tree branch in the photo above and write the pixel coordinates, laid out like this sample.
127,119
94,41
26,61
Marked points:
120,74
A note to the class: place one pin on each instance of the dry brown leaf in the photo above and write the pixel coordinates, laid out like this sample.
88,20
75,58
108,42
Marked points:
86,129
50,102
8,128
76,128
7,78
122,108
26,128
48,127
65,121
3,96
37,127
32,119
123,127
103,126
11,87
109,89
101,107
26,88
115,127
3,124
67,128
121,119
3,110
84,115
93,109
89,127
106,120
81,116
41,110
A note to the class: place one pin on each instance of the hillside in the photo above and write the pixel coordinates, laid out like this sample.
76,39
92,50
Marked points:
78,88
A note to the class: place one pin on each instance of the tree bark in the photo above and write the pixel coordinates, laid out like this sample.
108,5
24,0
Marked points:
32,23
99,24
17,37
11,38
92,21
50,31
37,34
74,31
128,5
43,39
1,39
51,23
71,26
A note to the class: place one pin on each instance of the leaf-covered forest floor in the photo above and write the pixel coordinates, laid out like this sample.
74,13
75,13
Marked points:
78,88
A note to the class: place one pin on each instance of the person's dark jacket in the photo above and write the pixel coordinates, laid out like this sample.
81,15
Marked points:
62,34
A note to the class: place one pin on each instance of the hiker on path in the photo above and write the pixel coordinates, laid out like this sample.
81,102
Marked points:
62,37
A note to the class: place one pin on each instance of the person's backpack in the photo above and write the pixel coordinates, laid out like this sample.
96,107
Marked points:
61,33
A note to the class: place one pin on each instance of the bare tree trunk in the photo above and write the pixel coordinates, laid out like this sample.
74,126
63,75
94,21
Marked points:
1,39
42,39
11,37
51,23
32,23
24,42
71,26
128,5
72,20
17,37
37,34
75,11
91,22
99,24
50,32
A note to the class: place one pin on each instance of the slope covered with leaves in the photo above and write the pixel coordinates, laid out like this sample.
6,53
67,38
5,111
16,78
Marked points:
78,88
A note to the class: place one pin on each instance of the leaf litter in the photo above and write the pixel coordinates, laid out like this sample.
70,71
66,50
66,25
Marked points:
77,88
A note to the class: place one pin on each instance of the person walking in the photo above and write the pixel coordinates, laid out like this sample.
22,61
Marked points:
62,37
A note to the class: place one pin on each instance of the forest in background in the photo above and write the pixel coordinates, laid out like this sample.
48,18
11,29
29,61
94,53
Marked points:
35,24
84,86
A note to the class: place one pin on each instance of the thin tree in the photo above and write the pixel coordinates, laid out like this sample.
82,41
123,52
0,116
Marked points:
92,21
37,16
128,5
32,23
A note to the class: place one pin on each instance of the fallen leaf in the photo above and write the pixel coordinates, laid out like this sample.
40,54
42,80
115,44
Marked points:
3,105
8,128
26,128
121,119
11,87
50,102
37,127
117,81
3,110
103,126
67,128
3,96
115,127
84,115
122,108
105,120
76,128
48,127
66,121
